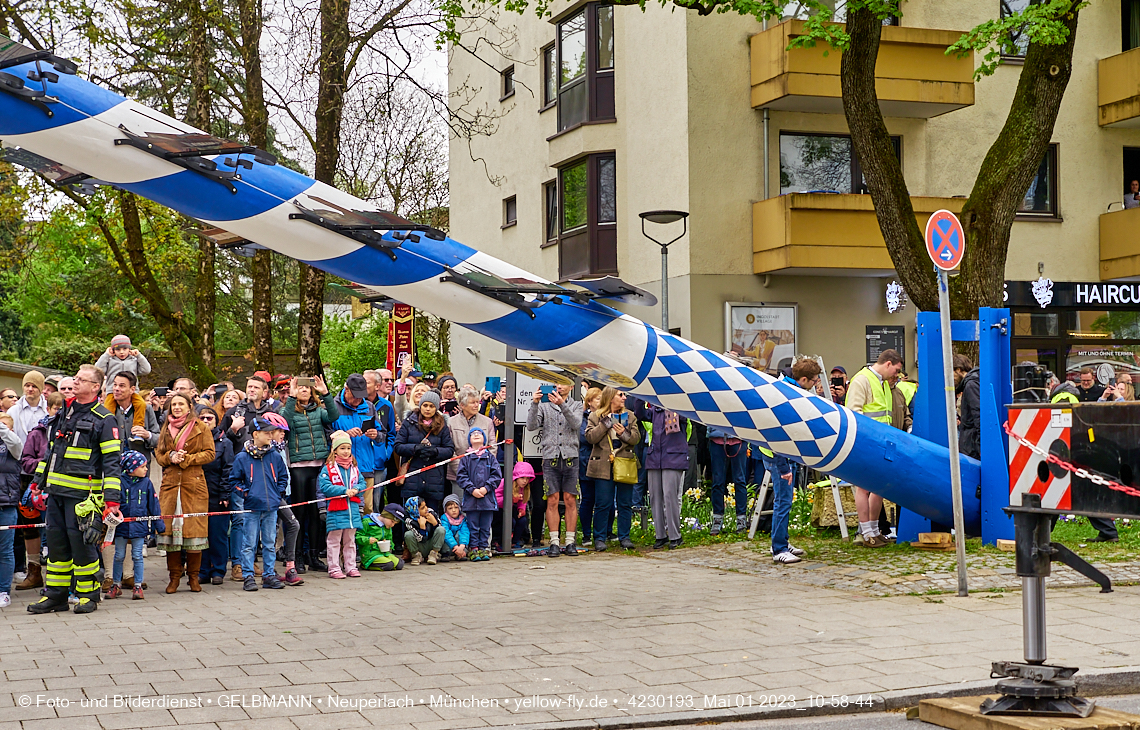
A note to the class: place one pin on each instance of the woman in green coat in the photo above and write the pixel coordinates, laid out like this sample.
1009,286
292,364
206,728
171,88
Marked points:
308,448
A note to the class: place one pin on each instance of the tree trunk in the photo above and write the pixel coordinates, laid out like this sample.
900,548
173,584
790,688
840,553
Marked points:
332,84
1008,169
198,115
881,168
256,116
136,268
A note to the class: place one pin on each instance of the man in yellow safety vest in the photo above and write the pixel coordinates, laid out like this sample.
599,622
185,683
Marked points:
870,394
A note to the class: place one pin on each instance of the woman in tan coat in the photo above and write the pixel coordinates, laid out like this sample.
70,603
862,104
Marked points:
185,445
612,429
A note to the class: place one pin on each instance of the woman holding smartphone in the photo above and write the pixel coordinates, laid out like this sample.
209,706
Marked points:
613,432
185,446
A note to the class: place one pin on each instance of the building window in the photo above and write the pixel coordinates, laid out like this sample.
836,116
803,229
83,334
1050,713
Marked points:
585,65
824,163
1129,24
550,200
507,87
549,77
1040,199
1017,42
587,216
510,212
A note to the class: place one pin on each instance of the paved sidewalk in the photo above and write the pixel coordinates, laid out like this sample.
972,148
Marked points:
892,573
522,634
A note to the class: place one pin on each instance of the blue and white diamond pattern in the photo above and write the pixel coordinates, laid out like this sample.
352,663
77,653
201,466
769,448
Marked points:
720,392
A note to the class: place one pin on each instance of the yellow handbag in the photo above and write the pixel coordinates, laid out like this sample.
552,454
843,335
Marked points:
625,469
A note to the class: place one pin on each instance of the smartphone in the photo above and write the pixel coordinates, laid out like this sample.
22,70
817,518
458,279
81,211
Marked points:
403,359
220,391
546,390
838,382
307,382
368,425
493,385
161,391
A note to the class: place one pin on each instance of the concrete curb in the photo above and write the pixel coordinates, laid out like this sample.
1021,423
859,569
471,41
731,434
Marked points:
1106,682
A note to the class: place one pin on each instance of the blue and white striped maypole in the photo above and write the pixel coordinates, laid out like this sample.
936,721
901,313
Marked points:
81,126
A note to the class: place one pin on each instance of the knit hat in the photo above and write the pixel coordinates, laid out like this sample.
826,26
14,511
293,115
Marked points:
393,512
131,460
439,383
522,469
473,430
340,438
36,378
120,341
452,498
430,397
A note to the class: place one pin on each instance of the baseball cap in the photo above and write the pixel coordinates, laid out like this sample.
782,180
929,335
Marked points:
264,376
839,368
355,384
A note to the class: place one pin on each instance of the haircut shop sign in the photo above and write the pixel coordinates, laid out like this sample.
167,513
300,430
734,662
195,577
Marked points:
1045,293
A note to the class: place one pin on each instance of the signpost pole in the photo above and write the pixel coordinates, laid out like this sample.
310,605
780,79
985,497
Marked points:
509,454
946,244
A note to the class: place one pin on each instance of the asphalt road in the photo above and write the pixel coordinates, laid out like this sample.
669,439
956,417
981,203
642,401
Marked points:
878,720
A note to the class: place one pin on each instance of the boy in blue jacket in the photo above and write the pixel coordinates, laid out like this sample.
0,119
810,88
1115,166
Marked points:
260,476
138,500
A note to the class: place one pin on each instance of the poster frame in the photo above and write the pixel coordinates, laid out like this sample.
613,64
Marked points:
730,306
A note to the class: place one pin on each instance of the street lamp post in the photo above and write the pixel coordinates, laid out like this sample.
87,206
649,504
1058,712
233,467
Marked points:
665,217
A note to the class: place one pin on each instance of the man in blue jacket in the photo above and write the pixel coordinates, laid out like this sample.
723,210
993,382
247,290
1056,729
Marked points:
372,447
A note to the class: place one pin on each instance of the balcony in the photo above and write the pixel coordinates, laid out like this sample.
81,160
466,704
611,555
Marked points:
1119,245
914,76
827,234
1118,90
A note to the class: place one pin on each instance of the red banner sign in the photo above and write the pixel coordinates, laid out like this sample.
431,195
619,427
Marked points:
400,335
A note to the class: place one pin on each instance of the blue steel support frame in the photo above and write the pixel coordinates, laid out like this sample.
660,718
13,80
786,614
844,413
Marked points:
991,332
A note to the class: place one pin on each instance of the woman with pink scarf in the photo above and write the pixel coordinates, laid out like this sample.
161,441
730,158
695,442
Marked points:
184,447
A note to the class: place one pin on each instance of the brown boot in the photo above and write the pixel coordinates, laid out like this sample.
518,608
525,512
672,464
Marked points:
34,579
174,565
193,568
128,582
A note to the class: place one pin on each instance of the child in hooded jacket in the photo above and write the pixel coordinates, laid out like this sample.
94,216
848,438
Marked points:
374,539
422,532
521,477
340,479
456,533
138,500
479,472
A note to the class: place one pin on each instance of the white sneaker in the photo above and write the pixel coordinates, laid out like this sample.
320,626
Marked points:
19,576
795,550
5,600
785,557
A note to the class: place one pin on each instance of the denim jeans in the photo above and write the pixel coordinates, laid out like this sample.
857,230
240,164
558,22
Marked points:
237,529
136,558
265,524
728,462
586,509
606,492
783,490
7,548
215,557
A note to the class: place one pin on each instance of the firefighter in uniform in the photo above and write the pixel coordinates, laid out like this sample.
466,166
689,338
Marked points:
80,473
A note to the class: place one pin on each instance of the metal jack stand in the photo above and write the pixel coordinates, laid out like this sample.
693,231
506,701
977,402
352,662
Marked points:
1034,687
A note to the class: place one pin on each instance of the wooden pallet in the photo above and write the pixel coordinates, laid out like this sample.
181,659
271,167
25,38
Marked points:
963,713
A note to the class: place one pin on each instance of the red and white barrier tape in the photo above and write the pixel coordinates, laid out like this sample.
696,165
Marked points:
1067,466
378,485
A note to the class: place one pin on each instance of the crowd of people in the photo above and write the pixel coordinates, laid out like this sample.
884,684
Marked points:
383,472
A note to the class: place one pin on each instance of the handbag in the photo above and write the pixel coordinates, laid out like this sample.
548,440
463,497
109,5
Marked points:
625,469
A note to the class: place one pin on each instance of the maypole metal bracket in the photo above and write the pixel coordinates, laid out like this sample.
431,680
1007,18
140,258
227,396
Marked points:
192,151
16,54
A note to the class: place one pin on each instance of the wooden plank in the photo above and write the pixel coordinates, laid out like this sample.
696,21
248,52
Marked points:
1007,546
963,713
935,538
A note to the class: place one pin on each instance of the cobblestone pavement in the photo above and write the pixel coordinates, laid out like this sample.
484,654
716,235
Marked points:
894,574
622,635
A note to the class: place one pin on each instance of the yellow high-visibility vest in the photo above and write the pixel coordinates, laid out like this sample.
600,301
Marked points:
1064,396
908,389
881,404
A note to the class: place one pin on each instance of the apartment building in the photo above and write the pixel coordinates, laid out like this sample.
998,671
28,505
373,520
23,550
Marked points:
607,112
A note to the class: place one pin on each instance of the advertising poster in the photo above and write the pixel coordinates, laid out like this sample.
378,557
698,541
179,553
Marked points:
762,335
1107,360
